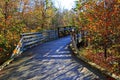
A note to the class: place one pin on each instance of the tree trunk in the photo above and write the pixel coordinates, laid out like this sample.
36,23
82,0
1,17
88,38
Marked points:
105,52
5,17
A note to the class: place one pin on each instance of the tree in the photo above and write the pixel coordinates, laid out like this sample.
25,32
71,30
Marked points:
103,24
9,26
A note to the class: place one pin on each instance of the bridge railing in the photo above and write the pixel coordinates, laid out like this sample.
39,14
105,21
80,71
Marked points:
64,31
76,38
29,40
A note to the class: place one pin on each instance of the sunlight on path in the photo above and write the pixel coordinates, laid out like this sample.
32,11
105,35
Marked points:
49,61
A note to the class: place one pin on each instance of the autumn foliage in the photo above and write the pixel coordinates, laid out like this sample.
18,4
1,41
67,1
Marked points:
22,16
102,24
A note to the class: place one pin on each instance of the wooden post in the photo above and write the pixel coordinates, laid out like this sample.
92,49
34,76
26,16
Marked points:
74,40
64,31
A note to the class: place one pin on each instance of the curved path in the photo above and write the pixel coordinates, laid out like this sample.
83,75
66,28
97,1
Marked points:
49,61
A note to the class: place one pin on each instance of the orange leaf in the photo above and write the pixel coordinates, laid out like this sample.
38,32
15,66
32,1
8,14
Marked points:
14,52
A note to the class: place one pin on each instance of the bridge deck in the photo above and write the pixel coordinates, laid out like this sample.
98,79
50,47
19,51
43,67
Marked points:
49,61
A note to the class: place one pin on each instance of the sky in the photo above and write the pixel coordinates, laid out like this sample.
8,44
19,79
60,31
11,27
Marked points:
64,4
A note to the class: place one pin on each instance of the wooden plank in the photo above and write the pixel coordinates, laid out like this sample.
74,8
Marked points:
31,36
29,40
32,39
33,33
33,42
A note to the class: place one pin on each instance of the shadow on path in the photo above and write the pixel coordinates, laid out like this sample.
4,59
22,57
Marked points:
48,61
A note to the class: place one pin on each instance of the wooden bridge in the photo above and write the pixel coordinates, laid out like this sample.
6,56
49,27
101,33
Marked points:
45,56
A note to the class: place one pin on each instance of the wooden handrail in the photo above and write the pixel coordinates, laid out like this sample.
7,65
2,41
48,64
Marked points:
29,40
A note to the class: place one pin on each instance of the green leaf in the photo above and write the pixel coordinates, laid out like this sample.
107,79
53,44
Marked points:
1,15
6,0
